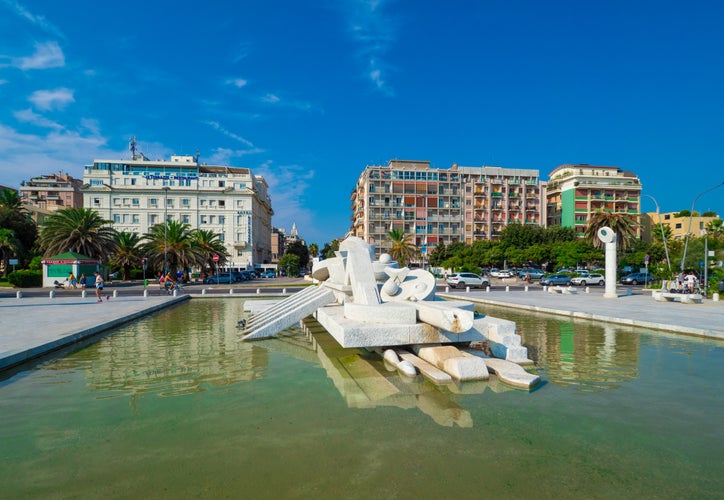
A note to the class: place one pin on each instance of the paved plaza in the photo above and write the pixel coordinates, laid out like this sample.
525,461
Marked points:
33,326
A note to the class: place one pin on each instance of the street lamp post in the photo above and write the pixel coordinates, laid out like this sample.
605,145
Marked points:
165,226
691,215
663,235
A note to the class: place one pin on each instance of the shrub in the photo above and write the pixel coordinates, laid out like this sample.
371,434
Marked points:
26,278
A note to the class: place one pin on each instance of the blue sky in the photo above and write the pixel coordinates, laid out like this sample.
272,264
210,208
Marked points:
307,93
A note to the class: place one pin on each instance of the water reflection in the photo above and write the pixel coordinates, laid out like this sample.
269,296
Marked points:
591,356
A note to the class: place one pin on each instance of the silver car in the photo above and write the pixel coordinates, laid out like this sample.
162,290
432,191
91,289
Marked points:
592,279
461,280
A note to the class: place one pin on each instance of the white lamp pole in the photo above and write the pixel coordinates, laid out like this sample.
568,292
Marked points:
663,235
691,215
165,225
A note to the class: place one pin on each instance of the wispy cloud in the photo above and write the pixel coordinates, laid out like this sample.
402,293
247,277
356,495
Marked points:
236,137
227,156
242,52
52,99
270,98
374,32
35,19
33,118
46,55
277,100
237,82
288,186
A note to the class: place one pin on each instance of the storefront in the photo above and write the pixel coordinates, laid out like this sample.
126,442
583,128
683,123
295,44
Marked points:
58,268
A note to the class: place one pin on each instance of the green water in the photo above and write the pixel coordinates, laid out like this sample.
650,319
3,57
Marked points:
173,406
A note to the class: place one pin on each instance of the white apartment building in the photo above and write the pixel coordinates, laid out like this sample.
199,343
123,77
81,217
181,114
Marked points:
230,201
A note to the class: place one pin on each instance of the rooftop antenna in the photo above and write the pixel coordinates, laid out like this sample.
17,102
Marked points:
132,147
196,158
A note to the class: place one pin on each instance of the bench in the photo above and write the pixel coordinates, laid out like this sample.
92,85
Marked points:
684,298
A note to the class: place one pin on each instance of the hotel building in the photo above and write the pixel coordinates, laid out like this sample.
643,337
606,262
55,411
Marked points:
575,192
230,201
462,204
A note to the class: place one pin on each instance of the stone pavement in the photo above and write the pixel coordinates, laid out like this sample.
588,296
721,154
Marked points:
638,309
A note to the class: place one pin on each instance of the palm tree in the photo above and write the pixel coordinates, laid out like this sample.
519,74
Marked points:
208,243
171,244
78,229
402,248
313,250
127,253
715,228
9,245
623,225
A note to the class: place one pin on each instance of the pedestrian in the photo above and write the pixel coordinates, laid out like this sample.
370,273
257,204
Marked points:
99,286
691,281
83,281
170,283
72,283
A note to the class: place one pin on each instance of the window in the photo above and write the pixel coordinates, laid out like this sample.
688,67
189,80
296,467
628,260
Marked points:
203,219
185,219
678,225
222,203
222,219
117,218
134,219
212,219
135,202
153,202
116,202
185,202
153,219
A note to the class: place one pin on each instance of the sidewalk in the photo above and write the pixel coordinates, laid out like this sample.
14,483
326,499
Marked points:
31,327
640,309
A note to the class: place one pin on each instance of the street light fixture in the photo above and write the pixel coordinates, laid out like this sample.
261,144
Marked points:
691,215
165,225
661,224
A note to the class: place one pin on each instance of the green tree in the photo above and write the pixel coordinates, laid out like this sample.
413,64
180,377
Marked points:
14,217
9,198
329,248
9,246
173,244
313,250
623,225
300,249
403,249
78,229
207,244
289,263
127,254
715,229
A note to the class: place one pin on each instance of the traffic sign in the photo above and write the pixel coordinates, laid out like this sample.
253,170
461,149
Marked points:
216,257
646,259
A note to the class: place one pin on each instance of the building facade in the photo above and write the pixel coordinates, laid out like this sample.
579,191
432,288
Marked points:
52,192
230,201
459,204
575,192
678,226
495,197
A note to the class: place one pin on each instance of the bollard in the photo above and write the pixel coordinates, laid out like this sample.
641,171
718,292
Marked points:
52,294
18,294
526,288
587,290
258,291
467,289
507,288
145,293
284,291
175,292
231,291
84,294
447,289
115,293
715,297
203,292
487,289
545,288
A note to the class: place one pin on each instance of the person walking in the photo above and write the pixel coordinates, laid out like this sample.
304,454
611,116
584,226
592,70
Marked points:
99,286
72,281
83,281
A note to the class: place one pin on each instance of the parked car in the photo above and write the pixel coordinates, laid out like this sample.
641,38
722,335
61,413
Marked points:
219,279
535,274
247,275
460,280
494,272
592,279
505,273
269,274
556,279
636,278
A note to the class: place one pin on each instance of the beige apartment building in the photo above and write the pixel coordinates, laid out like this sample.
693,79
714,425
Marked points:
575,192
459,204
679,226
495,197
230,201
52,192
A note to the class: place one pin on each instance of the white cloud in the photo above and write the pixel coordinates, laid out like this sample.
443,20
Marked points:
288,185
227,133
30,116
37,20
270,98
237,82
46,55
374,33
52,99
